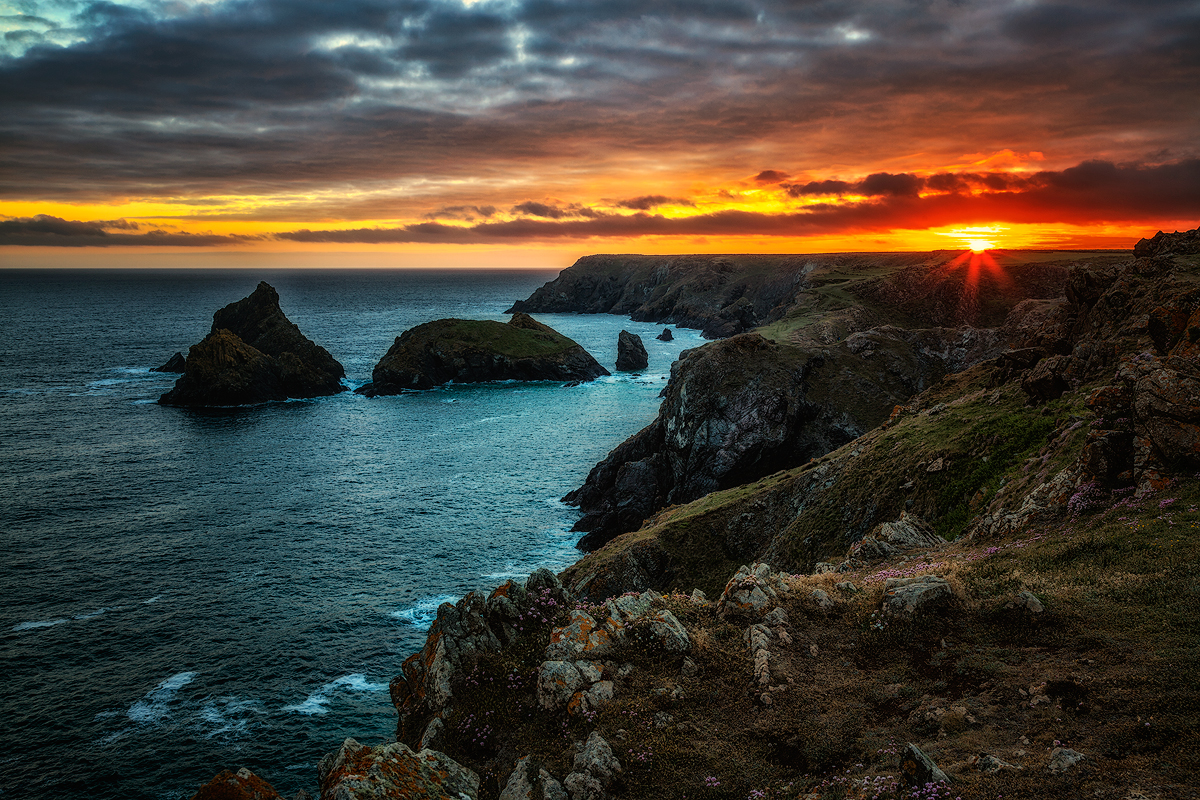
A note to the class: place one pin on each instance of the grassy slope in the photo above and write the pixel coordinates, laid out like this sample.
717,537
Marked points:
498,337
1115,653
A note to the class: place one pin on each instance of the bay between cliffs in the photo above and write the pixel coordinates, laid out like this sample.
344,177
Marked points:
187,591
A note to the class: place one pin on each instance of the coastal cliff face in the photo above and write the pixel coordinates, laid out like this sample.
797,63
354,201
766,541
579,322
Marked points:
1100,399
473,351
254,354
730,294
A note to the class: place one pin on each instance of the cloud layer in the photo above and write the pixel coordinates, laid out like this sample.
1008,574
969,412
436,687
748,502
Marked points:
500,119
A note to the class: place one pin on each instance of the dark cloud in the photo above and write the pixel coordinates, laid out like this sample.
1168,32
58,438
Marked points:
647,202
770,176
295,97
46,231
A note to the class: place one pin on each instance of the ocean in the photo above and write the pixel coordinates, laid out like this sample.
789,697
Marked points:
186,591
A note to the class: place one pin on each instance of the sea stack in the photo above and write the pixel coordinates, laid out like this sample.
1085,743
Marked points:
254,354
631,353
665,336
176,363
474,351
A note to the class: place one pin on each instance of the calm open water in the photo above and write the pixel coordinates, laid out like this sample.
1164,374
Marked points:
190,591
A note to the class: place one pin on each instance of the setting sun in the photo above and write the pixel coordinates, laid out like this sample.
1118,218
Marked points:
979,245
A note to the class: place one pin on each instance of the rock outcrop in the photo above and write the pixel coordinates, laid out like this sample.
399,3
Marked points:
666,335
254,354
176,363
357,772
240,785
474,351
631,353
745,407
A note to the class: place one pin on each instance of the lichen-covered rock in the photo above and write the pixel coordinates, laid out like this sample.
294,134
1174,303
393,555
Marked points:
254,354
661,632
594,765
557,682
240,785
581,637
472,351
631,353
357,772
909,596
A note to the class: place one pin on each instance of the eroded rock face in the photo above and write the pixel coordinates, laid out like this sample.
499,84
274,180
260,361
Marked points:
254,354
742,408
474,351
906,597
752,592
463,631
356,772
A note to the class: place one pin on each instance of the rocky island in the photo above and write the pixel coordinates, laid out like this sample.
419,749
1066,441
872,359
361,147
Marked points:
992,591
473,351
254,354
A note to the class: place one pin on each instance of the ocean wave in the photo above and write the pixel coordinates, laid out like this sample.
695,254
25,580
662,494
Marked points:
155,705
97,612
229,715
316,702
424,612
28,626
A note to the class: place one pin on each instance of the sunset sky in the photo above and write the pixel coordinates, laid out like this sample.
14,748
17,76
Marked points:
511,132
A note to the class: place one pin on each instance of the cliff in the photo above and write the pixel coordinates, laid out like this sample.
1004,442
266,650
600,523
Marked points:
729,294
473,351
254,354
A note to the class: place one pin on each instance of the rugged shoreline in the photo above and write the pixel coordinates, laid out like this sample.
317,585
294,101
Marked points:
1045,653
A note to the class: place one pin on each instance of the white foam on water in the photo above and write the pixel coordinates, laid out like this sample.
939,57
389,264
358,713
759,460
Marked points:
154,599
229,715
156,704
424,612
28,626
97,612
316,702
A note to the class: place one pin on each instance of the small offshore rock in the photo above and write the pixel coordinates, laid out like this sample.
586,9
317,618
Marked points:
176,363
918,769
665,336
631,353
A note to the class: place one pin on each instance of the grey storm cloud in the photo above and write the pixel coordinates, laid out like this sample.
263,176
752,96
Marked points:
293,96
43,230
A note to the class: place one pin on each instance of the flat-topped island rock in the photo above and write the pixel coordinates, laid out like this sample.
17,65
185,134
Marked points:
474,351
254,354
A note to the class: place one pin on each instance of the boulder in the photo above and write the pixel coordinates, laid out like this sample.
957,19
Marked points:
919,770
631,353
176,363
581,637
240,785
475,351
557,682
909,596
357,772
1063,760
594,771
530,781
254,354
751,593
666,335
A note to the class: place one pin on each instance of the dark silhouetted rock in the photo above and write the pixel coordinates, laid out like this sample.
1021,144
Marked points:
631,353
176,363
473,351
665,336
1167,244
254,354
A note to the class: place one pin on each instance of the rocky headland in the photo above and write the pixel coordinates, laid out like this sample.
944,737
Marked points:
253,354
991,592
474,351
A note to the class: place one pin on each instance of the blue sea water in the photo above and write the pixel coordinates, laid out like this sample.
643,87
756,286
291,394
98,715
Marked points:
189,591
